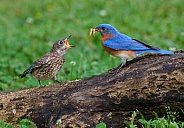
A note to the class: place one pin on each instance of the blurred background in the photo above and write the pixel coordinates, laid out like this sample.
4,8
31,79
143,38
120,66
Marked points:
28,29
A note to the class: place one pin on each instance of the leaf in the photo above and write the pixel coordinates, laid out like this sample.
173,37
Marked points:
173,126
101,125
9,126
143,121
134,114
132,126
156,115
127,123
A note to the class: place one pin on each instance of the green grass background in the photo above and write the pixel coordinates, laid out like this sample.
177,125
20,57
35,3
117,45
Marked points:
28,29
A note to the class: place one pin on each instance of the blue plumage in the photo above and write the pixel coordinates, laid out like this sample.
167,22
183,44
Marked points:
154,51
123,42
123,46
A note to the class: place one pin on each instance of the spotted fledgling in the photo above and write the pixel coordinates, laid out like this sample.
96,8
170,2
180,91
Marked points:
50,64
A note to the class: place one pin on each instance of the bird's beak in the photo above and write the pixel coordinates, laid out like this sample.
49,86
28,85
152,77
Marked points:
92,31
67,42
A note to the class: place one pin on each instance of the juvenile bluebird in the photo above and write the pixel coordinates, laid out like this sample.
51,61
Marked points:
50,64
121,45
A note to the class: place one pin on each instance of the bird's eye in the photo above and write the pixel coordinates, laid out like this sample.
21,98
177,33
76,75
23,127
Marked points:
60,42
103,28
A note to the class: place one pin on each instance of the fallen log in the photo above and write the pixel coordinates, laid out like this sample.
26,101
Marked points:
148,83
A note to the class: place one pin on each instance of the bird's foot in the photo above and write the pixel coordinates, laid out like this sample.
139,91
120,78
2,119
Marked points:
119,68
57,81
112,70
41,86
115,71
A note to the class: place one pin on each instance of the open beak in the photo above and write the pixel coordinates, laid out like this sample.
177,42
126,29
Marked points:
67,42
92,31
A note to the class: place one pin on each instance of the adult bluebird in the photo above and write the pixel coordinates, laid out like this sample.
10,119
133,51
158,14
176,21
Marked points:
121,45
50,64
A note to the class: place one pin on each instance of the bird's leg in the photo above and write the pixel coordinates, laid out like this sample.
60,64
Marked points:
55,79
40,85
123,63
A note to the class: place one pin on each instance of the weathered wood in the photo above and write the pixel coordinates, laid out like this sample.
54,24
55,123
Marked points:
147,83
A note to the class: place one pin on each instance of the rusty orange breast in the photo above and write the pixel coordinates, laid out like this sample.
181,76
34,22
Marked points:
117,53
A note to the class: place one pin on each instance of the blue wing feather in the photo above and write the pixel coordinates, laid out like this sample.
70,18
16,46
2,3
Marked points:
124,42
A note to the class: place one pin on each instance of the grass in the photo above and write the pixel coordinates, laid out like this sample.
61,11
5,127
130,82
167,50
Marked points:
29,28
170,120
24,123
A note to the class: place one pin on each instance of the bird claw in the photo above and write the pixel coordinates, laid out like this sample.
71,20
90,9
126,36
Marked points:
57,81
41,86
92,31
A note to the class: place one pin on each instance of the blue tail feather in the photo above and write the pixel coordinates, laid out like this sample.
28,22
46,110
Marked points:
154,51
165,52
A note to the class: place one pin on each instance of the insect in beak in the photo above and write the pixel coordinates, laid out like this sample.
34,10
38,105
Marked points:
92,31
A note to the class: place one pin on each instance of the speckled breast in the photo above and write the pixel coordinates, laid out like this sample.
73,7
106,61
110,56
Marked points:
48,70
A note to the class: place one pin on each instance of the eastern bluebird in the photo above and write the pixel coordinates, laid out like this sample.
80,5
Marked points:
121,45
50,64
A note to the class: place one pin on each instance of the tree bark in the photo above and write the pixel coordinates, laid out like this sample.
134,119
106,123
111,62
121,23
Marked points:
148,83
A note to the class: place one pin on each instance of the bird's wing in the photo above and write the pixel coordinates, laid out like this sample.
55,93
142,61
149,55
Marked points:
43,60
151,47
123,42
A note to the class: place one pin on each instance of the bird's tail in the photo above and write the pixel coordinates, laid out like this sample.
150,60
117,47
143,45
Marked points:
163,52
27,71
155,51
